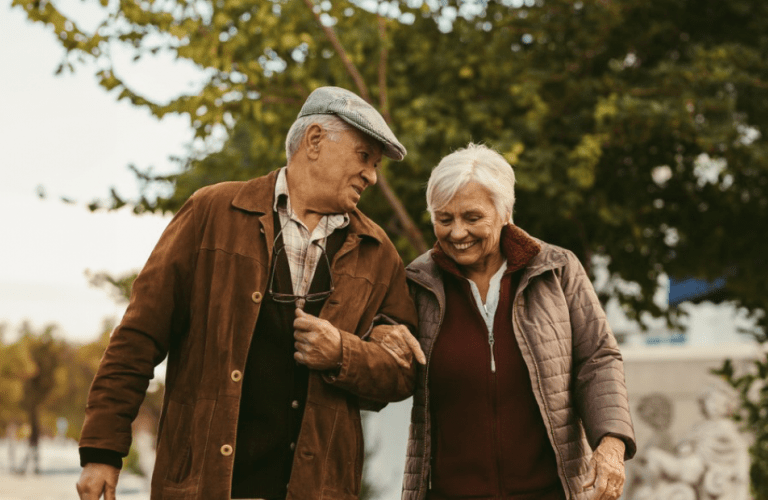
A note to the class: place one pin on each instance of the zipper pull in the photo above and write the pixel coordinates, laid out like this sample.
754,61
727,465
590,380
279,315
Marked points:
493,358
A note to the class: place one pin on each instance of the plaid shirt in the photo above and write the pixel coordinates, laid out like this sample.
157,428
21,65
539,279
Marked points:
303,249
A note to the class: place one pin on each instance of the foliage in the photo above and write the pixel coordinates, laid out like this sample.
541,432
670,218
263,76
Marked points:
118,287
43,378
636,128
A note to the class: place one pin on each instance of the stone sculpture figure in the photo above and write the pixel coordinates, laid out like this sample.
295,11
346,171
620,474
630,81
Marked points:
710,463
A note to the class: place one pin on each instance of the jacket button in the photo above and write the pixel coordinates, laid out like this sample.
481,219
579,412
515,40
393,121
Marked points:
237,376
293,446
295,404
256,297
226,450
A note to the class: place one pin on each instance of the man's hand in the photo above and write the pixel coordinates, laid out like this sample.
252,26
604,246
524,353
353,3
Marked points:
398,341
606,472
318,343
98,479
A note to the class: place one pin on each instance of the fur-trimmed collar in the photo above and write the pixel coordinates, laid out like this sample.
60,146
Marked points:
516,246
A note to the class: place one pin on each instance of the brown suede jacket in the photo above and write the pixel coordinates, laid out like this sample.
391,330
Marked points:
197,301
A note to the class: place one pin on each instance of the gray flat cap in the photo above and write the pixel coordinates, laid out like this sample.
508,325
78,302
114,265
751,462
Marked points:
355,111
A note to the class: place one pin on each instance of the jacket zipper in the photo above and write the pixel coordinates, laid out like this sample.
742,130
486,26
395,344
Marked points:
495,433
491,342
495,425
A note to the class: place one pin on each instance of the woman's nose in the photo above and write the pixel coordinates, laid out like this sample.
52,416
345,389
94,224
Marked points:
458,231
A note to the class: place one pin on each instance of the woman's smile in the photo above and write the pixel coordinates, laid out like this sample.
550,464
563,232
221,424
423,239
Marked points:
463,246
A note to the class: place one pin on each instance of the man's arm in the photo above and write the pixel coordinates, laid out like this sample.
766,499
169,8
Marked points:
158,308
363,368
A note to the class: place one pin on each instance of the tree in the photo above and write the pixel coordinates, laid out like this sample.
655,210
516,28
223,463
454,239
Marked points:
636,128
44,362
15,367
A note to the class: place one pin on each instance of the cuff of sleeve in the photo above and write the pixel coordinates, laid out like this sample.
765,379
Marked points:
100,456
341,372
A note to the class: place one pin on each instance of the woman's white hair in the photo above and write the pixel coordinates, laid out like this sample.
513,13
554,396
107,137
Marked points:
475,163
332,124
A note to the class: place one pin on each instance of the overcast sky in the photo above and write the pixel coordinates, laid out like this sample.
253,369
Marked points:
70,138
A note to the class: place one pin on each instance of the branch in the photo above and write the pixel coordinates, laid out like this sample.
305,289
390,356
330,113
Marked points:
412,232
351,68
383,54
409,227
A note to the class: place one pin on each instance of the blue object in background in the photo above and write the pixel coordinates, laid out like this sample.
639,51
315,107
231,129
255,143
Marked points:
673,339
692,289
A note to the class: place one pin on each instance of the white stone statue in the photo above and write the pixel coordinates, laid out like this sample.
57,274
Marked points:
710,463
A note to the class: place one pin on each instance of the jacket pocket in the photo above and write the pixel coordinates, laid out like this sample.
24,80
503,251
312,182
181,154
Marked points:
187,428
179,422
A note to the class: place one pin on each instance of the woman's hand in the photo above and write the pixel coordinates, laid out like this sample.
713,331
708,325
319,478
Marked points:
606,472
398,341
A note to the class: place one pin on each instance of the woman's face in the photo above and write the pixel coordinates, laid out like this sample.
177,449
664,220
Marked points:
468,227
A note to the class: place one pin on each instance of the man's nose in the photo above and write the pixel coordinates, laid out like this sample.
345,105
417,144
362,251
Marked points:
369,174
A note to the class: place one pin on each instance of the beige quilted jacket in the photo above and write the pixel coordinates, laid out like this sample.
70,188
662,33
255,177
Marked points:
574,363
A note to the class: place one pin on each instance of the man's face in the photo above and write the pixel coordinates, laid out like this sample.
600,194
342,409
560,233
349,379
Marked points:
344,169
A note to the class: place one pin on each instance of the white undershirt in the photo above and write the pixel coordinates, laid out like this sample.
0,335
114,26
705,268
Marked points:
488,310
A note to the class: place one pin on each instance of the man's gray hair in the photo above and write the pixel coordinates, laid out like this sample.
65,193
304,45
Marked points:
332,124
475,163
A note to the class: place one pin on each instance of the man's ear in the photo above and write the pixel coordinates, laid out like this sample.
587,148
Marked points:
312,139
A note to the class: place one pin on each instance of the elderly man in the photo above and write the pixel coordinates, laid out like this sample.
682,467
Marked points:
261,294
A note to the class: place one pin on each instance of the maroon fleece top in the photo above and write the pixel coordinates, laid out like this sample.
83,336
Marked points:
488,436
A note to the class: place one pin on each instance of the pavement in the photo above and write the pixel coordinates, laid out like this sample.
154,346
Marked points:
60,469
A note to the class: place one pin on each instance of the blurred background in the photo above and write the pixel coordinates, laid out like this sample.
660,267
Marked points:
636,130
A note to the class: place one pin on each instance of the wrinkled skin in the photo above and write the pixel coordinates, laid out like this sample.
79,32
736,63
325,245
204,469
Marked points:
398,341
606,474
97,479
318,342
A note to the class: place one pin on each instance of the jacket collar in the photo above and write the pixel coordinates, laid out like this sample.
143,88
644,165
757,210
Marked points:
522,251
517,247
257,197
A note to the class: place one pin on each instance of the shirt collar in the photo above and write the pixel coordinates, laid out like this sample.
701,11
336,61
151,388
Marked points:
283,202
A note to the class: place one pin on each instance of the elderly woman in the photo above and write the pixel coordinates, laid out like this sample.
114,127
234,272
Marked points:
523,376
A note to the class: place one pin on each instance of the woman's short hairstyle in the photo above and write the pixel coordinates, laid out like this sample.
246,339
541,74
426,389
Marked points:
475,163
332,124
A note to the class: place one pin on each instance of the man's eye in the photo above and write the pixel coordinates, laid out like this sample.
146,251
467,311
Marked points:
364,156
